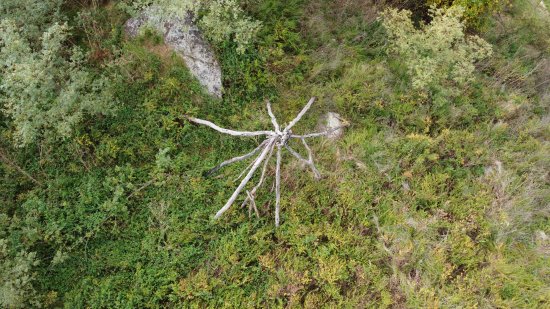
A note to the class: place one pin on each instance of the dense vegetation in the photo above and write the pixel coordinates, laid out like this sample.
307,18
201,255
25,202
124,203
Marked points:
437,195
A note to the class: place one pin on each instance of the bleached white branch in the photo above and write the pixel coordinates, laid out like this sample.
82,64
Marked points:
273,118
252,205
302,112
278,185
228,131
261,181
236,159
295,154
245,180
244,171
310,160
309,163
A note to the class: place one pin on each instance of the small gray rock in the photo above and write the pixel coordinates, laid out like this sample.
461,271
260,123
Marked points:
333,120
187,41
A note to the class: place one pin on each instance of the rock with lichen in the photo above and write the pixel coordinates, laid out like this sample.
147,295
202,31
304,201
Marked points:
187,41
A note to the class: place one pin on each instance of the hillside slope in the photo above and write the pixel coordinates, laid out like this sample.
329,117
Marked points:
437,195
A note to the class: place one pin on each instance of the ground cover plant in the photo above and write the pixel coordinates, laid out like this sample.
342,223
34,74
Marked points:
436,195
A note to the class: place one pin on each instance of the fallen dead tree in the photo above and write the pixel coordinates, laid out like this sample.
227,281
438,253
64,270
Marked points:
275,139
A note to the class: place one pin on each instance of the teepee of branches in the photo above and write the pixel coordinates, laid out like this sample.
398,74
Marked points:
275,139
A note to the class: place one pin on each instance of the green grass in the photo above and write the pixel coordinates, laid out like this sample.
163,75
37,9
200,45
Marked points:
426,201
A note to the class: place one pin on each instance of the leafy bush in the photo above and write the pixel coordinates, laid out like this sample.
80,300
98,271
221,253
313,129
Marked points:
475,11
221,20
46,89
435,53
33,17
16,276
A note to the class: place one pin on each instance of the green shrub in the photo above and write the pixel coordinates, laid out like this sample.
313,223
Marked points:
475,11
16,277
46,90
437,53
33,17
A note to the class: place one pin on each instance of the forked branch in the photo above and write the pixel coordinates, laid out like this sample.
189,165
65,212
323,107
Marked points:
277,138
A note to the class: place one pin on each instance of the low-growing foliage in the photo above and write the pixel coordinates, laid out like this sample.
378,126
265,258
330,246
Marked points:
433,197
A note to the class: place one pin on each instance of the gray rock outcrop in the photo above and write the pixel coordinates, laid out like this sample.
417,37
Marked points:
187,41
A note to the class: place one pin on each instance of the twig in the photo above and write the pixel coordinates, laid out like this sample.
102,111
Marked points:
244,171
7,160
260,182
310,160
295,154
302,112
278,186
309,163
254,167
145,185
273,119
252,205
236,159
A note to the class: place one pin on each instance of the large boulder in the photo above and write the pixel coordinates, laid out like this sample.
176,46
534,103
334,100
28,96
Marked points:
187,41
